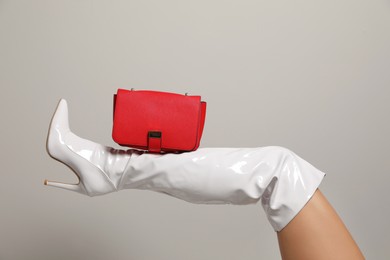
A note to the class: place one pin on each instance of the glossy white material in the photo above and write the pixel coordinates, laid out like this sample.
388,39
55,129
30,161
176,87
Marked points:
274,175
99,168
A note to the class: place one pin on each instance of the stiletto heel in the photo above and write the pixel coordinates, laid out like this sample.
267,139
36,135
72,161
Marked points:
66,186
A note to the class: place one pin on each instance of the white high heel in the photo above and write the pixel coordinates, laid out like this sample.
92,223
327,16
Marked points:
96,166
282,180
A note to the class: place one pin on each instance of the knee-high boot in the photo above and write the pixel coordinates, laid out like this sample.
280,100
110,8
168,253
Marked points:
274,175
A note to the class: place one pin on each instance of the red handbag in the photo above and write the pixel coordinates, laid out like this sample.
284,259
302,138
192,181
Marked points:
158,121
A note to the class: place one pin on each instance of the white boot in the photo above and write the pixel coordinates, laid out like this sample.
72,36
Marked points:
281,179
98,167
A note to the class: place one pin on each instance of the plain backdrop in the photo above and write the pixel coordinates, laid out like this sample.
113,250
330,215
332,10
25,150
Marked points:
311,76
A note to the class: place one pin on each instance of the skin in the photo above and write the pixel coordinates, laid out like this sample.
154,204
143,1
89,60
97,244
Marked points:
317,232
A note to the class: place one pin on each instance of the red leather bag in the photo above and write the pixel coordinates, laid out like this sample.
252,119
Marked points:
158,121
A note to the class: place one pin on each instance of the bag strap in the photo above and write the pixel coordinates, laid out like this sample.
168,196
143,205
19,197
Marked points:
154,141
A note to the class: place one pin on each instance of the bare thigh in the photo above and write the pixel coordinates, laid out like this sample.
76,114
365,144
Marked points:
317,232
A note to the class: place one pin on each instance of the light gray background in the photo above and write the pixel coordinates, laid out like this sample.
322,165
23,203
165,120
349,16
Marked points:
312,76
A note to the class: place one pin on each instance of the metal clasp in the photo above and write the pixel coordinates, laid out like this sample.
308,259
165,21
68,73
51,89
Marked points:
154,141
154,134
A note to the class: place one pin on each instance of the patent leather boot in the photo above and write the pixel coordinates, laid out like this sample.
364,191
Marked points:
97,167
277,177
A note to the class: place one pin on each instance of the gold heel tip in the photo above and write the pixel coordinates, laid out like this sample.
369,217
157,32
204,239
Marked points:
45,182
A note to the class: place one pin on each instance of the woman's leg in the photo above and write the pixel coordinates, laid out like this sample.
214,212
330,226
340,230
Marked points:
280,179
318,233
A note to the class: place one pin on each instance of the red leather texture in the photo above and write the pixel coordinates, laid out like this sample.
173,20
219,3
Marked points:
158,121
